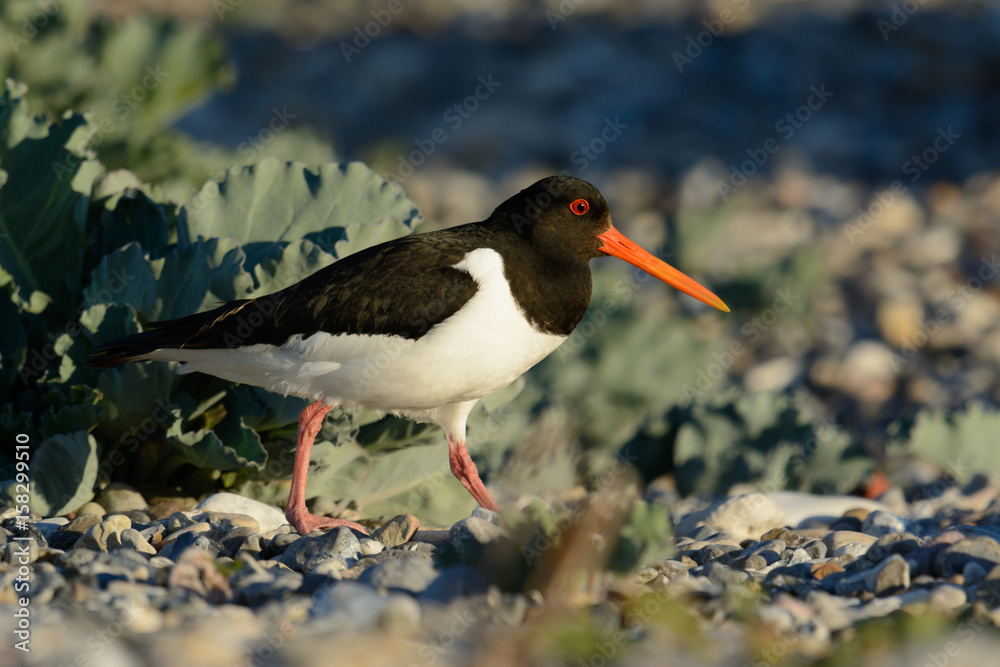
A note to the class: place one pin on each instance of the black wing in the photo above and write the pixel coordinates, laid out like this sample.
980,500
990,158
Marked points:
402,287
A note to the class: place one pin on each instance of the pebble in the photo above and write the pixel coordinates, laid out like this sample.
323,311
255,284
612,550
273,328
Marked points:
130,538
97,536
370,547
118,498
47,527
469,537
982,550
947,597
823,570
889,577
841,542
879,523
396,531
267,517
745,516
413,574
307,552
91,508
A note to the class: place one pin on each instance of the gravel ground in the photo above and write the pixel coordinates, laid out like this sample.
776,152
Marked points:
756,578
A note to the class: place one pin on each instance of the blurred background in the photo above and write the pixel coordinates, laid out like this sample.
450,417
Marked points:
829,169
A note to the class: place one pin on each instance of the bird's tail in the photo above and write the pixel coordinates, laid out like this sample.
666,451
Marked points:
193,331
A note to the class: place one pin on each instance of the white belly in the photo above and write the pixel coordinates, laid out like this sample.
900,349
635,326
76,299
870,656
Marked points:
483,347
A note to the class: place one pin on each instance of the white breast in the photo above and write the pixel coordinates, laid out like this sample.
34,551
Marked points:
483,347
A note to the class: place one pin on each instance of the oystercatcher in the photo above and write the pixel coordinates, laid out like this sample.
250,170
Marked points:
422,326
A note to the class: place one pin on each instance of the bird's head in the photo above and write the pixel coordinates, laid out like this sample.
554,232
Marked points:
568,220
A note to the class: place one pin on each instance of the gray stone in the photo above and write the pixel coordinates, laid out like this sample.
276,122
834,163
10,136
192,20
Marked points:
91,508
49,526
981,549
397,530
973,573
840,538
200,528
97,537
370,547
327,565
222,523
234,540
120,498
947,597
413,574
879,523
65,537
400,616
807,509
795,557
769,550
20,552
816,549
724,575
351,606
267,517
487,515
890,577
175,549
130,538
46,583
470,536
746,516
340,542
751,562
458,581
278,544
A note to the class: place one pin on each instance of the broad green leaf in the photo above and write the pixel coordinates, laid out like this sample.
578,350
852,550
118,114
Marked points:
963,443
280,202
186,280
71,409
283,267
63,473
43,206
231,445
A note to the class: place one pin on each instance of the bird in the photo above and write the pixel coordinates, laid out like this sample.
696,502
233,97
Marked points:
422,326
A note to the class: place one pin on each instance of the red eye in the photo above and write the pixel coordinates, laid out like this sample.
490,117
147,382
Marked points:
580,206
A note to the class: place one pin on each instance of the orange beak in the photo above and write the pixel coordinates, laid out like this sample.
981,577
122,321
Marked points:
618,245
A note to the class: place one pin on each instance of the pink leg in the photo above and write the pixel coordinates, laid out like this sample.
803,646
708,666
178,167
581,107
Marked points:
465,470
310,422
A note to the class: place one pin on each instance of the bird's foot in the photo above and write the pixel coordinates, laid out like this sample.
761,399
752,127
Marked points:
306,523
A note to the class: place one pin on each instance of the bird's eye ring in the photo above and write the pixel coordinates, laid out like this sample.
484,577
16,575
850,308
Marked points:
580,206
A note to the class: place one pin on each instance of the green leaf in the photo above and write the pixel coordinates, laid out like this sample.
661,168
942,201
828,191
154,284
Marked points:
231,445
186,280
43,206
71,409
13,342
283,267
962,443
63,473
281,202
